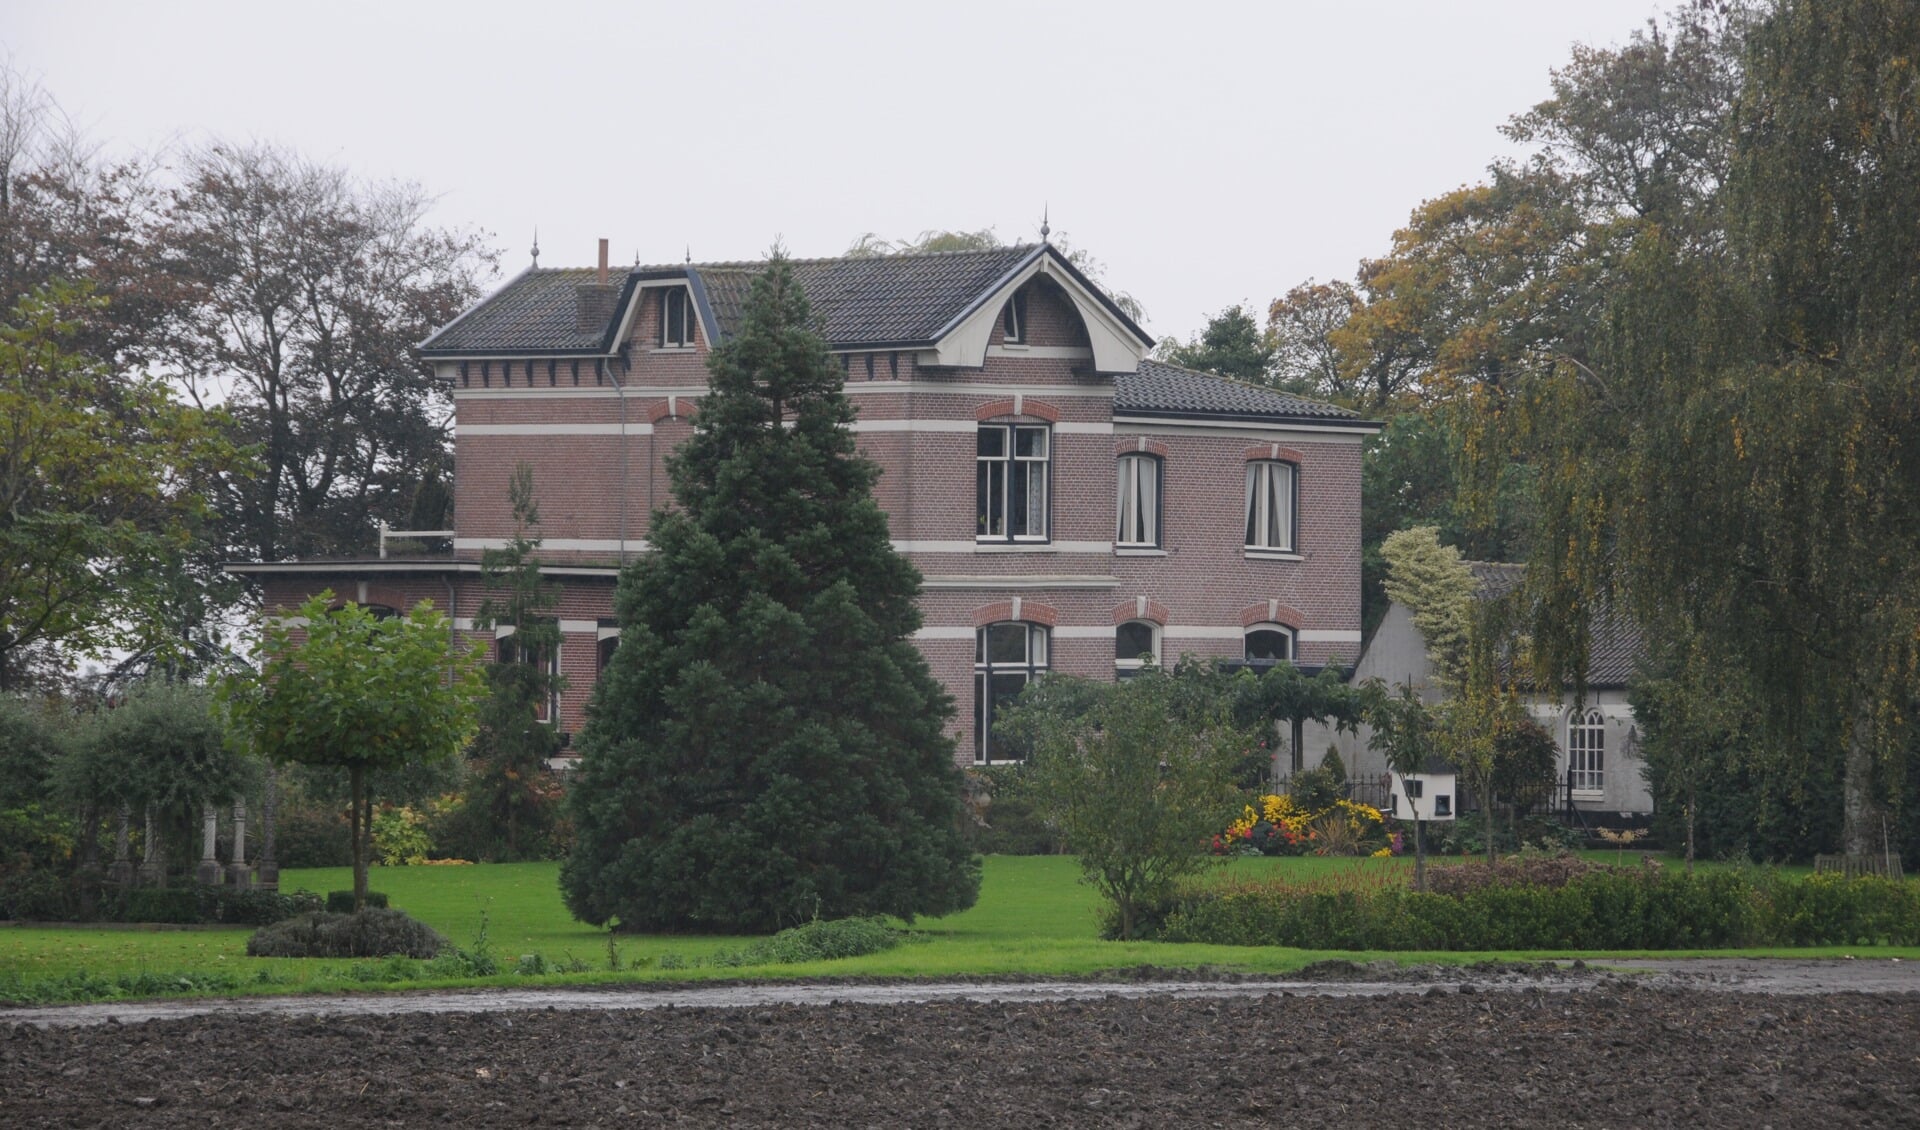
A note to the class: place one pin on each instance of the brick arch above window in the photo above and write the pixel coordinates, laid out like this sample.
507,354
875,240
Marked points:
1030,611
1271,612
1141,608
1140,445
390,597
1017,406
1272,451
672,408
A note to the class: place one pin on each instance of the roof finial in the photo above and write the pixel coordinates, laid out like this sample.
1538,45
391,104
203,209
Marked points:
689,254
536,245
1045,231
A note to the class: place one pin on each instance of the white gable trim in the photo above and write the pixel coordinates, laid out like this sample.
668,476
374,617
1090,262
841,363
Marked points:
963,343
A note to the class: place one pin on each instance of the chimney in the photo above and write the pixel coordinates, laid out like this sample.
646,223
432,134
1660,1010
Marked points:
594,302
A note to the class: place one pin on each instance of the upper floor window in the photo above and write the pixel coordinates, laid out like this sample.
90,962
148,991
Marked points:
1010,466
1138,498
676,317
1271,489
1006,657
1586,751
543,659
603,652
1136,643
1269,643
1013,320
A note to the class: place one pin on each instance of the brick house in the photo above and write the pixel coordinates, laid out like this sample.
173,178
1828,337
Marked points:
1070,503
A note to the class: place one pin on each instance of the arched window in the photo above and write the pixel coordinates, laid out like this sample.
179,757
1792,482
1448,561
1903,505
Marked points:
1006,657
1137,498
1269,643
1135,644
1586,751
1270,505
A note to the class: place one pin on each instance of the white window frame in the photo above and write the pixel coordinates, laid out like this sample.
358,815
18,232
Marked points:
999,477
670,298
1126,665
1292,637
1587,752
1013,319
1272,511
1037,651
1139,489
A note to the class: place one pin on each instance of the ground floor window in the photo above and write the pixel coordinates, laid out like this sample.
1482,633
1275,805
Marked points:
1006,657
1586,751
1269,643
1136,643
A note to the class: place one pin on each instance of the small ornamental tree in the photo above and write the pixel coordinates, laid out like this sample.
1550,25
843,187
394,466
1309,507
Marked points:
1403,732
360,692
1134,776
767,744
514,742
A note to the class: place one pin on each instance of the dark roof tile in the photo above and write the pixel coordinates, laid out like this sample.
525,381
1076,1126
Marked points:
1160,389
879,301
1614,646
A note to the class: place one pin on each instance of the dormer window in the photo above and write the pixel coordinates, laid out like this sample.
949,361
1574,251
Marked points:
676,318
1013,320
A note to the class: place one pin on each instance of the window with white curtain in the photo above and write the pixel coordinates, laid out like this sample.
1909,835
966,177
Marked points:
1270,505
1137,495
1010,465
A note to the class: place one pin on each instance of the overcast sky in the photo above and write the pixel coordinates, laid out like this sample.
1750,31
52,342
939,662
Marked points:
1205,153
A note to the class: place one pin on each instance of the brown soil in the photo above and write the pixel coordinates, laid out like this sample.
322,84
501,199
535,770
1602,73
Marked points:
1612,1055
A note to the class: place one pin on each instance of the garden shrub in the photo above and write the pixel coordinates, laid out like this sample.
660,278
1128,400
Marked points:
341,902
312,835
370,933
39,896
242,907
172,905
1552,904
400,836
815,941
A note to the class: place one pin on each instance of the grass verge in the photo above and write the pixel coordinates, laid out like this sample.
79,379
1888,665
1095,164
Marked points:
1034,918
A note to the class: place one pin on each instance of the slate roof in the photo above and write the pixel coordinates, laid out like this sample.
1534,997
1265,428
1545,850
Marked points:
1159,389
533,313
1614,645
878,301
891,300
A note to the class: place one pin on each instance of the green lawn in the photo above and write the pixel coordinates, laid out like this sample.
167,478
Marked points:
1033,917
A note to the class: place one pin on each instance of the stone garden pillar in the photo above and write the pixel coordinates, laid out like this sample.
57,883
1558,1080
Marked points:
209,870
153,855
267,871
238,873
121,871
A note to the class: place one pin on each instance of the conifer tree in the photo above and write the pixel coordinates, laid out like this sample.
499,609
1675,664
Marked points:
767,745
514,740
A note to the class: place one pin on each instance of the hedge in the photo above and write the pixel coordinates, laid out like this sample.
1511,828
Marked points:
1604,908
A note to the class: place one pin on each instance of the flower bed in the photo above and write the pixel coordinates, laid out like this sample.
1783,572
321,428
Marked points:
1279,826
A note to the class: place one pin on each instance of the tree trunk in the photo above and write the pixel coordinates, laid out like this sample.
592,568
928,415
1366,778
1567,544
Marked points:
358,775
1419,853
1863,818
1691,796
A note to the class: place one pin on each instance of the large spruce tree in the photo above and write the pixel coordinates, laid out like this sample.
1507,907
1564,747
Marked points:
767,746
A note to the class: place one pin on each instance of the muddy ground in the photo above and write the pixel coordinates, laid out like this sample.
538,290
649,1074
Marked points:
1558,1051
